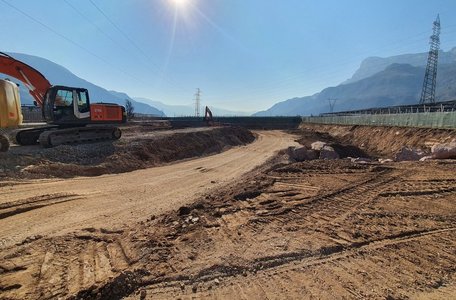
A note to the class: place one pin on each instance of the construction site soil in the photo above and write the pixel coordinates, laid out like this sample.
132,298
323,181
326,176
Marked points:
140,147
379,141
274,229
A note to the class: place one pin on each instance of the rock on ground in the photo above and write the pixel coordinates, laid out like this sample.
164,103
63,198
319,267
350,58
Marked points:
318,146
425,158
444,151
385,160
409,154
328,152
302,153
361,160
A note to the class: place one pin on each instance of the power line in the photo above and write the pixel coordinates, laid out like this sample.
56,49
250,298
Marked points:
68,39
126,36
94,25
260,91
120,45
123,33
324,74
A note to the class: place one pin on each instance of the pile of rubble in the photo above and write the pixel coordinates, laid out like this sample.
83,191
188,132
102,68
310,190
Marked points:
318,150
437,151
321,150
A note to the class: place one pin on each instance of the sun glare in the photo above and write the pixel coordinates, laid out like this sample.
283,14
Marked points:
179,3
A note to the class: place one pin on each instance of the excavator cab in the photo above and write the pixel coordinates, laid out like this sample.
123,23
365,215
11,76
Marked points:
66,105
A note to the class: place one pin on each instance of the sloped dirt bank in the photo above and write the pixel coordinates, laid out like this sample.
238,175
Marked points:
382,141
137,149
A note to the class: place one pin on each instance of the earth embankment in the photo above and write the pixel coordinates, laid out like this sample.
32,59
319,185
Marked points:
379,140
138,148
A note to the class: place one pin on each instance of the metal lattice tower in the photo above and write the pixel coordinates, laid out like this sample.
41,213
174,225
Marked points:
197,102
332,103
428,91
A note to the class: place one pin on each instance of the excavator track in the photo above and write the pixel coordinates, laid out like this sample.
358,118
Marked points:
29,136
76,135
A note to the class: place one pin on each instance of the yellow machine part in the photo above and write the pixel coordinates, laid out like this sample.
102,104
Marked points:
10,105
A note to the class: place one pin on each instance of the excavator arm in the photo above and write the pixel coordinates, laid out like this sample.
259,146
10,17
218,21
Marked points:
208,115
36,83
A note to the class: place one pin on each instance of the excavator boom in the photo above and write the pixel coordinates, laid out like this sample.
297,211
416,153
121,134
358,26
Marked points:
36,83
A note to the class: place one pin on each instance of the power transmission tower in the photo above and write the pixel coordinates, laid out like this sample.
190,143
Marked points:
197,102
332,103
428,91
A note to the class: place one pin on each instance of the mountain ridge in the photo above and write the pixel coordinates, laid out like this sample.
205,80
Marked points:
395,84
371,65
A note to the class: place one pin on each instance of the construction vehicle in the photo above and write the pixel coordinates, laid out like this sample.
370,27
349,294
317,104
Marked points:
68,112
10,111
208,118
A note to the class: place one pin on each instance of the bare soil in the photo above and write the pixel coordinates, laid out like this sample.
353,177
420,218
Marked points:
381,141
140,147
321,229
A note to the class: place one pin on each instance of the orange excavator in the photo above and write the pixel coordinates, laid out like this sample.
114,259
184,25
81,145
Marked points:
208,118
70,115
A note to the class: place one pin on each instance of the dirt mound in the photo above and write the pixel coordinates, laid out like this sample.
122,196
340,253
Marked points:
136,150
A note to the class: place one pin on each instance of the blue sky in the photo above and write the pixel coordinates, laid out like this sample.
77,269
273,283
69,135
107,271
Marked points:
243,54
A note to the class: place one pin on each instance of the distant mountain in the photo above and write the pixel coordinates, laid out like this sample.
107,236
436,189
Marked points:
58,75
139,106
395,80
188,110
372,65
398,84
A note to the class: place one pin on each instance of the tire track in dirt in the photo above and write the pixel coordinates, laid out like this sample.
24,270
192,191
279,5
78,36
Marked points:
330,206
273,234
125,198
65,265
422,188
351,257
284,264
9,209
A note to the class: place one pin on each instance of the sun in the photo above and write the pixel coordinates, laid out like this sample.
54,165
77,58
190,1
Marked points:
180,3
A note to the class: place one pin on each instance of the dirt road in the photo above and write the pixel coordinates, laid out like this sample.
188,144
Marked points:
50,207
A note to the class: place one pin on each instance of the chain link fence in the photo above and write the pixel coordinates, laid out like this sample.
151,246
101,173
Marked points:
425,119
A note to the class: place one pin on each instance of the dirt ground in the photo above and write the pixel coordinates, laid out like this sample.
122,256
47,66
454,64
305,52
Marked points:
247,223
141,146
